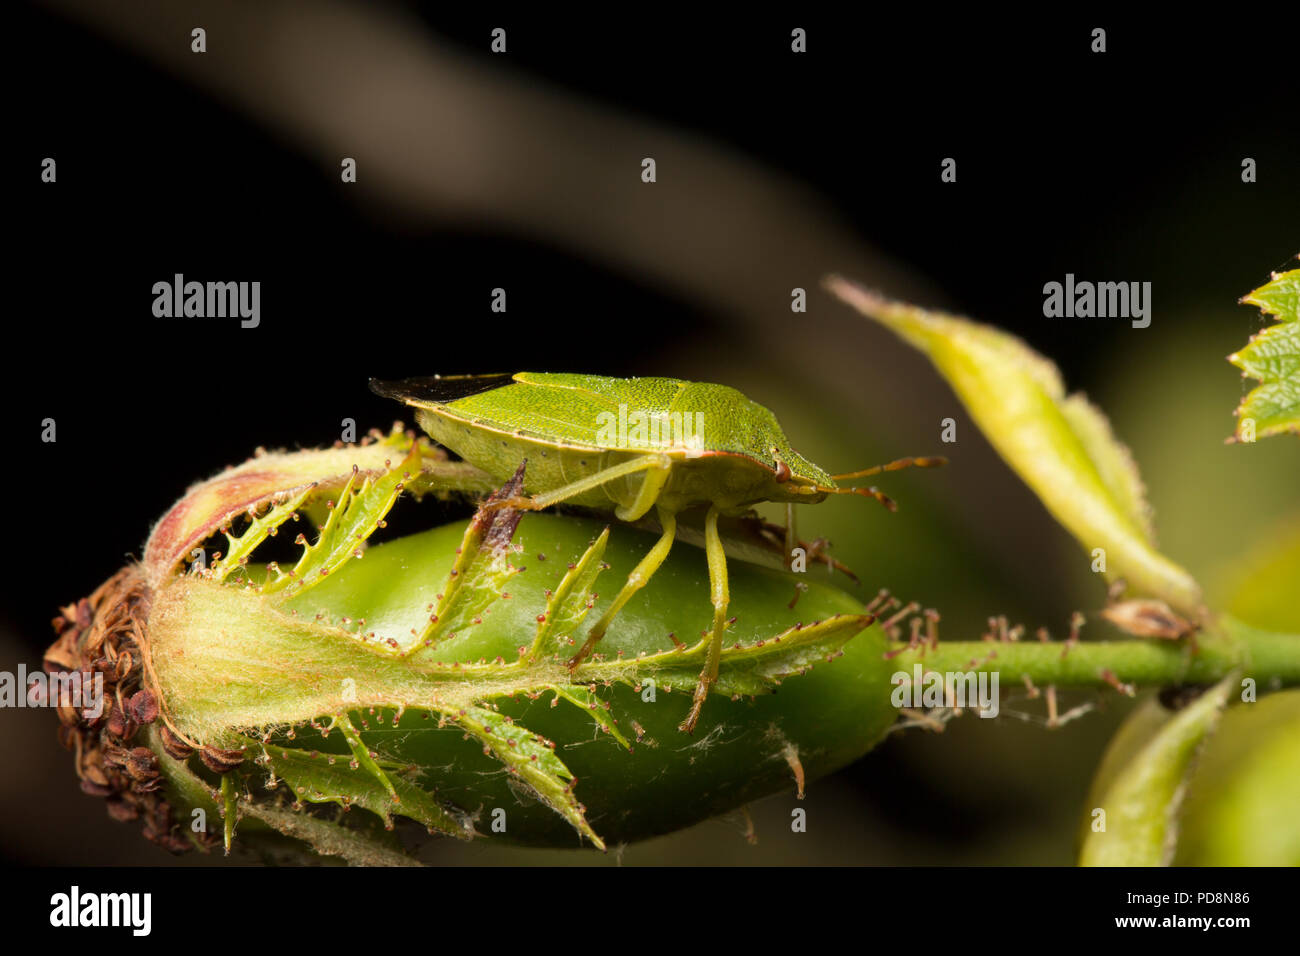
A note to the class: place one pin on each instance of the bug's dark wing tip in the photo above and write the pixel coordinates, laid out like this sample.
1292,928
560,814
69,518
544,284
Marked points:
412,391
436,389
388,389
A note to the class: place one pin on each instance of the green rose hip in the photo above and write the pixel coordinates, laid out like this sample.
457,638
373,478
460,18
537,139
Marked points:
430,677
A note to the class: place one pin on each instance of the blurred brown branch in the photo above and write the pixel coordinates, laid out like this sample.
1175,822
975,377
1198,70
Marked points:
439,135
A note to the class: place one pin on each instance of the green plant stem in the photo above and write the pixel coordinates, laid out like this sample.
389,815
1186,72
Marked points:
1267,657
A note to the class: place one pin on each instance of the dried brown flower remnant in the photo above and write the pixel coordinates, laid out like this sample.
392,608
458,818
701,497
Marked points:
104,635
221,761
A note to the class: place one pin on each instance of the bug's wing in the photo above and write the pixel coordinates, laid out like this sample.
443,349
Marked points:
433,390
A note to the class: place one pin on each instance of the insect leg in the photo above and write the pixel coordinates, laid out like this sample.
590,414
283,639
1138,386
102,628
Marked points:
721,598
635,581
791,537
556,495
653,482
772,536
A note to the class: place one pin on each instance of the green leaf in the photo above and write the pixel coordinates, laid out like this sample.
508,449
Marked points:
356,848
266,525
1142,781
1273,357
269,477
1241,802
569,602
351,521
324,838
361,754
587,701
479,575
1280,297
532,758
1113,461
331,778
745,670
1060,445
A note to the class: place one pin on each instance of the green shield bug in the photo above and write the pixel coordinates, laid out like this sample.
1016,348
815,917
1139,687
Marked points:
630,445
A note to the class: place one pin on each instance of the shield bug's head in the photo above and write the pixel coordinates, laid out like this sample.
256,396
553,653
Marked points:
789,477
798,479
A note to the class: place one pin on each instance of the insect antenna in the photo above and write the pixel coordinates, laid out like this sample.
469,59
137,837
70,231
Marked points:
896,465
876,493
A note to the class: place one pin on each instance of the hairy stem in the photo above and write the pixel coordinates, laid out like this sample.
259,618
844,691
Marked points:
1265,656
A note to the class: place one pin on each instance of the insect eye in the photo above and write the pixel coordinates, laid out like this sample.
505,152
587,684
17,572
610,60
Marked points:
782,472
